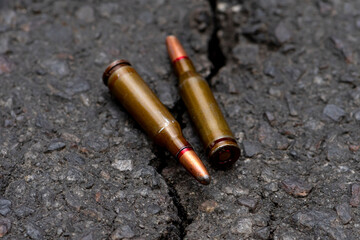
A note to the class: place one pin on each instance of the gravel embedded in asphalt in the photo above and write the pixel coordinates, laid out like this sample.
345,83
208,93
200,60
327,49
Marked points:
75,165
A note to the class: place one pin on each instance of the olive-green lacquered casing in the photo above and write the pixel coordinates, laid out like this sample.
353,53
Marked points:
221,146
144,106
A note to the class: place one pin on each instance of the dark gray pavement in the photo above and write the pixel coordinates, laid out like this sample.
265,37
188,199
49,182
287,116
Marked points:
74,165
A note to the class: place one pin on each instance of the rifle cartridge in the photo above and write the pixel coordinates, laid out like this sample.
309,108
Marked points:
133,93
220,145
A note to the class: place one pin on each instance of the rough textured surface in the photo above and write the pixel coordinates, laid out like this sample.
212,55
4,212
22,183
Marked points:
74,165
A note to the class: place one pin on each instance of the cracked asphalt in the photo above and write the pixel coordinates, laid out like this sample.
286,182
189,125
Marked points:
75,165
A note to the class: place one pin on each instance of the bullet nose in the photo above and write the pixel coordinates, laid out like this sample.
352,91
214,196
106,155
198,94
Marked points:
194,166
174,48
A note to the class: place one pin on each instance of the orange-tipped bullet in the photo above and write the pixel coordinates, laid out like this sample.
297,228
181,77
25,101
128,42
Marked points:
220,144
143,105
175,50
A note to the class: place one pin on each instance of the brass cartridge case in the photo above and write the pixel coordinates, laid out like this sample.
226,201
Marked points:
218,140
133,93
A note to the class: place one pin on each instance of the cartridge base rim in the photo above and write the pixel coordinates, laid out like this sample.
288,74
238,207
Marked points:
112,68
224,153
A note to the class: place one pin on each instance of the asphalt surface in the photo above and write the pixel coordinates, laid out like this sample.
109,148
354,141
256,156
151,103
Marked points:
75,165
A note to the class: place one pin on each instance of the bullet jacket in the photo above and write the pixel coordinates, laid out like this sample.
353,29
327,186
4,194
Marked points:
133,93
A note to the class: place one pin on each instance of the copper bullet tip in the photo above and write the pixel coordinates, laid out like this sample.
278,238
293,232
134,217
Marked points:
175,50
194,165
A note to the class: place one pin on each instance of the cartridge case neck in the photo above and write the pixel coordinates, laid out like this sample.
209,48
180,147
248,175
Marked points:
183,65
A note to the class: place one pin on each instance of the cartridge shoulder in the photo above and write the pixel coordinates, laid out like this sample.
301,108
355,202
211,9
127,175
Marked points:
190,76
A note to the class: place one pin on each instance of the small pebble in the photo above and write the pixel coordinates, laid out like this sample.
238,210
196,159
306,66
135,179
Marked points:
269,69
98,144
85,99
355,195
343,211
334,152
23,211
246,55
153,209
221,7
86,14
357,115
5,65
55,145
74,158
208,206
263,233
56,67
122,232
4,206
251,148
123,165
70,137
8,123
293,111
282,143
243,226
312,218
275,92
273,187
42,122
33,232
5,225
334,112
319,80
236,8
248,202
296,187
270,117
282,33
354,148
79,86
73,201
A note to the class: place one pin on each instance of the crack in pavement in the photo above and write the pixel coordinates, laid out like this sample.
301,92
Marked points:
218,60
215,53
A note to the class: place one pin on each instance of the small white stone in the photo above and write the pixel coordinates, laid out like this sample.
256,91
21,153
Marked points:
236,8
123,165
221,7
85,99
343,168
86,14
9,103
243,226
228,190
318,80
29,178
3,152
